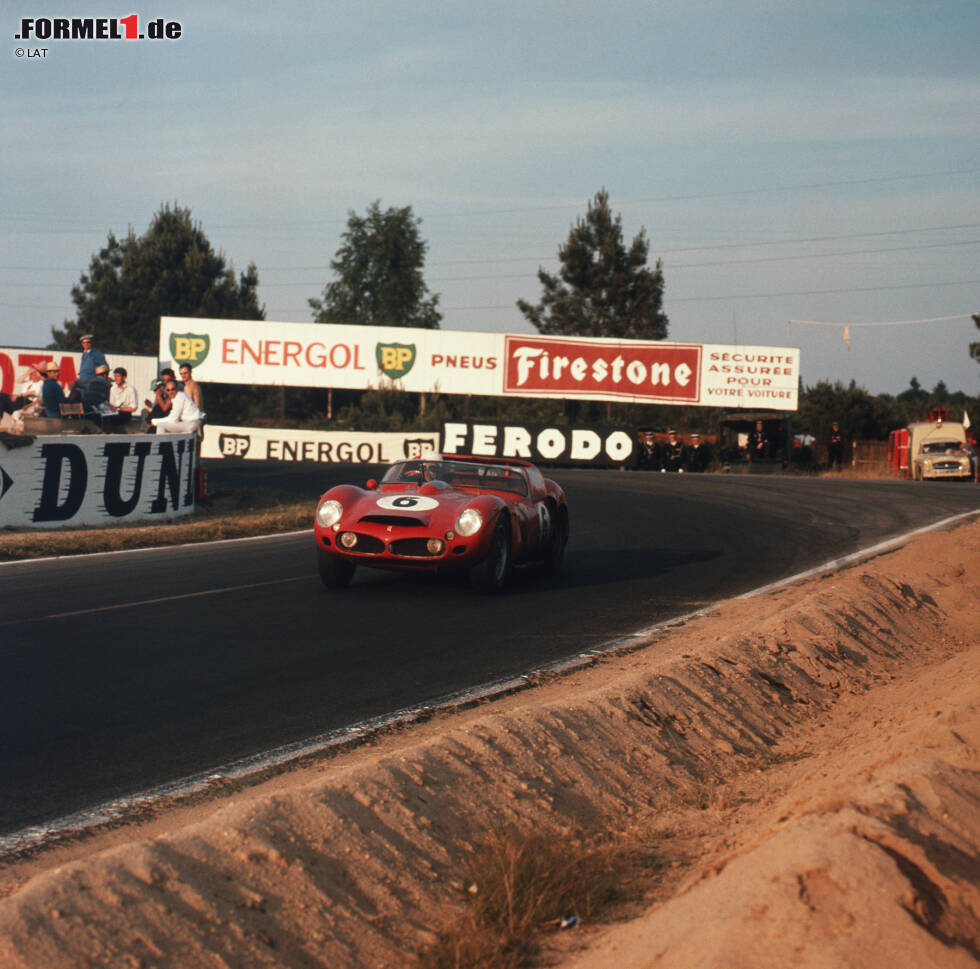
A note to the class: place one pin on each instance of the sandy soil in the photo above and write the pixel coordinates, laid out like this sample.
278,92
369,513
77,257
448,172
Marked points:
808,758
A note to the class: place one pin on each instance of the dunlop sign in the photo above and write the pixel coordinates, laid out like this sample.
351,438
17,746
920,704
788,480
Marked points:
73,480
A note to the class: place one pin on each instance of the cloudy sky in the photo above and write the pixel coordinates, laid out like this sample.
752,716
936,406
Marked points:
814,162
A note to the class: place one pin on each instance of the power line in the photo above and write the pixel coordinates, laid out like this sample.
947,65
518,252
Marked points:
731,262
517,210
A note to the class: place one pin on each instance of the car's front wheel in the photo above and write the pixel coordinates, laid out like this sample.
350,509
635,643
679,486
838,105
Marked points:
489,576
335,573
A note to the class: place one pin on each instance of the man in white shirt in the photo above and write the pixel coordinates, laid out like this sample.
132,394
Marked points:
184,416
122,399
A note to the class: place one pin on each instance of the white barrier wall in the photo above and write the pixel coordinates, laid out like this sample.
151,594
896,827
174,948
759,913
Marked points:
595,446
491,364
95,479
326,447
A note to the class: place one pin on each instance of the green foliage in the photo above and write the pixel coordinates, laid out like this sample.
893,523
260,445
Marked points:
380,279
865,418
604,289
171,270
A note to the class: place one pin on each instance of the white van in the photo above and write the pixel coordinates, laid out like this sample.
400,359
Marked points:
937,449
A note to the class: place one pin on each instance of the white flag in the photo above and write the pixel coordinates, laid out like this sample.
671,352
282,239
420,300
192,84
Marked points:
966,420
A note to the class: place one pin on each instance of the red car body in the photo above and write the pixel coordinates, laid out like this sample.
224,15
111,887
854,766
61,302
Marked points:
444,512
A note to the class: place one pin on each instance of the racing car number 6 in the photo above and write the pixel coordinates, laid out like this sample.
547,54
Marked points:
407,503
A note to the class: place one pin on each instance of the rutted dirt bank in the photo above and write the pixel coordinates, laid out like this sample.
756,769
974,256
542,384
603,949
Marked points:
813,753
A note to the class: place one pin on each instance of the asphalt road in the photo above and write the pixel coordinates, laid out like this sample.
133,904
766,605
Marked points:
129,670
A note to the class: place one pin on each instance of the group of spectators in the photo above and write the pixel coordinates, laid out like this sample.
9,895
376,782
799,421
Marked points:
672,454
175,408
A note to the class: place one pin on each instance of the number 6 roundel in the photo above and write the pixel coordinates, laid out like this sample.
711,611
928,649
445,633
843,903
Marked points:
407,503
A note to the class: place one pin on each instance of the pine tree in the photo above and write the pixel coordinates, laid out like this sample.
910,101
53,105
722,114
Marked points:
171,270
604,289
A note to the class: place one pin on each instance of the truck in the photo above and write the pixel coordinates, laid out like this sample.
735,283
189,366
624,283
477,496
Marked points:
932,449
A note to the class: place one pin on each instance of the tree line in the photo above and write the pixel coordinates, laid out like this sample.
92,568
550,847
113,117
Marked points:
604,288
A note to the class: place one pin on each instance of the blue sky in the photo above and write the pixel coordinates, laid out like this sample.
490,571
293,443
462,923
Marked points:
788,162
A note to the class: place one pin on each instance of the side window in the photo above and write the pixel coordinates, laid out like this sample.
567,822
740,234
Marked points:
536,480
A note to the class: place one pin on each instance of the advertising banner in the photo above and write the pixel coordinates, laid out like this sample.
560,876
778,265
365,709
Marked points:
97,479
141,370
594,446
325,447
490,364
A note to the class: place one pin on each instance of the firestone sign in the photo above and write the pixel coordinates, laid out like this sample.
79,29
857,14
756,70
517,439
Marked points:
487,364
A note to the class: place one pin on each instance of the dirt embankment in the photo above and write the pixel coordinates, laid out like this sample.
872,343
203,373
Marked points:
808,759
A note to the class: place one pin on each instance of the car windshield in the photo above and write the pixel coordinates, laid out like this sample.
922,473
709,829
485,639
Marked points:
940,447
472,475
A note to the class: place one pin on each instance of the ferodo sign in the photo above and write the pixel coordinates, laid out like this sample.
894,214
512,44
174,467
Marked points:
490,364
72,480
539,443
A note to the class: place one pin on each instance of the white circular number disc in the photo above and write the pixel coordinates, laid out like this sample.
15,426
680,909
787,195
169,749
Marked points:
407,503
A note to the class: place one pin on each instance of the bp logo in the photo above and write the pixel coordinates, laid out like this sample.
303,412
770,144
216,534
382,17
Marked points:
395,359
189,348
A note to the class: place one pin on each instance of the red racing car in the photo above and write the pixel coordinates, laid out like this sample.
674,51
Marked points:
480,514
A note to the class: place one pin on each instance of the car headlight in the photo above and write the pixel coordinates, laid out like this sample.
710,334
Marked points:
469,522
328,512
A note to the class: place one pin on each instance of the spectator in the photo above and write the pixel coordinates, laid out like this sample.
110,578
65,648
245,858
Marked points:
94,390
27,393
91,358
122,398
52,396
190,386
835,450
161,403
758,443
184,416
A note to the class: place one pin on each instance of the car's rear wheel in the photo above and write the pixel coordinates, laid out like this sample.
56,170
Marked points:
335,573
556,547
489,576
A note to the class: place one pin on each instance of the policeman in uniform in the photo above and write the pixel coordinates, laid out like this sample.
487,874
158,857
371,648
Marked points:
699,454
647,451
675,453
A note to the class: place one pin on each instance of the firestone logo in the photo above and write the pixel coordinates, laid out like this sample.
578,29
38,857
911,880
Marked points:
98,28
636,370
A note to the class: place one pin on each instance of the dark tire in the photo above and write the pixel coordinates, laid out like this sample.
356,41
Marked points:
335,573
556,549
490,575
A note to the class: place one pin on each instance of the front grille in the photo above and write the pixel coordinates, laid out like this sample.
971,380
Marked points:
947,466
403,521
366,545
412,548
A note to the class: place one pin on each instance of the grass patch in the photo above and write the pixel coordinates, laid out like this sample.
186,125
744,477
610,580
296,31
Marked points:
223,514
525,883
